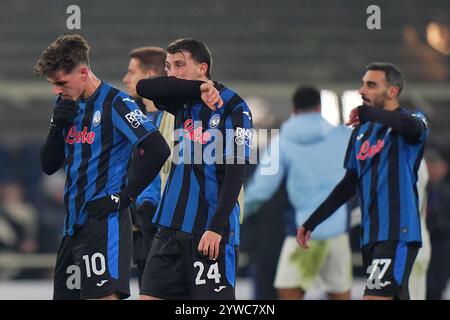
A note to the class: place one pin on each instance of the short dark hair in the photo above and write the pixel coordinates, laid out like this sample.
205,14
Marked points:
394,76
151,58
306,98
199,51
66,53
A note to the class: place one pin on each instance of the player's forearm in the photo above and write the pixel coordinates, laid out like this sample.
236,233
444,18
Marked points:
152,193
401,122
146,164
169,91
340,194
52,152
232,184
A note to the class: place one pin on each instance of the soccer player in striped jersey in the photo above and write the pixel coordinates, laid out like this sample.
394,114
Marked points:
93,130
148,62
194,253
382,160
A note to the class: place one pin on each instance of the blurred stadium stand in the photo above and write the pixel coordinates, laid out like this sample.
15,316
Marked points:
253,40
259,47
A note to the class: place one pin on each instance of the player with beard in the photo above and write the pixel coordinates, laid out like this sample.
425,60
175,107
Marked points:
382,160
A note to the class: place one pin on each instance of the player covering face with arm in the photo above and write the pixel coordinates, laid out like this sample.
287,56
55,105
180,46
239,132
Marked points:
187,81
199,211
93,131
82,83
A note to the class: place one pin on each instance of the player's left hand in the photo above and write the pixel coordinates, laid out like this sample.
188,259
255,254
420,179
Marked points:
102,207
210,95
209,245
354,118
303,237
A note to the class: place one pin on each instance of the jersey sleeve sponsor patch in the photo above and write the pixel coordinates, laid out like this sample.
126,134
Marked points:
129,119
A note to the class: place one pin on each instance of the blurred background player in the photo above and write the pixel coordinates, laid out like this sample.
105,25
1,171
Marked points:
418,278
310,157
18,224
382,160
194,254
146,62
438,221
92,132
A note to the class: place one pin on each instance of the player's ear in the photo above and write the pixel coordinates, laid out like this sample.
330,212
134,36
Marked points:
84,72
202,69
393,91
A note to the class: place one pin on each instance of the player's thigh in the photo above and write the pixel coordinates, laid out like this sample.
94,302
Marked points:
297,267
104,256
336,273
165,274
288,275
212,279
67,275
388,265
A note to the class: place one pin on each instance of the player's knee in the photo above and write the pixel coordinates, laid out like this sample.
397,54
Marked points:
339,296
291,294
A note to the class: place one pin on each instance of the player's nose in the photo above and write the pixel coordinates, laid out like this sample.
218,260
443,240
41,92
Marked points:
362,91
171,73
57,90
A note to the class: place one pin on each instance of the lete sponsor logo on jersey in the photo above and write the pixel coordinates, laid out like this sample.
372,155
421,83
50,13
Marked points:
74,136
368,151
136,117
195,134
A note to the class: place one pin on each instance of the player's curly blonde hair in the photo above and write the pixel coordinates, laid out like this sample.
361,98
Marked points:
65,53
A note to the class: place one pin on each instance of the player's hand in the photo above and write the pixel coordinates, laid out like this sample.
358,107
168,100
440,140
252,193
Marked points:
303,237
209,245
354,118
210,95
64,113
102,207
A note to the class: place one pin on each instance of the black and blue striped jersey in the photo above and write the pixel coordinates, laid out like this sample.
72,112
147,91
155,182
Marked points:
97,149
386,164
205,141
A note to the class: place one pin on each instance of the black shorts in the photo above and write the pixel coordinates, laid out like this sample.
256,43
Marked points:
141,247
176,270
95,261
388,265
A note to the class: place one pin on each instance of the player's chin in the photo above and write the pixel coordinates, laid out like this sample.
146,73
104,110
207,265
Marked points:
69,97
132,93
